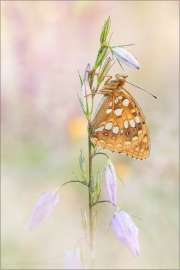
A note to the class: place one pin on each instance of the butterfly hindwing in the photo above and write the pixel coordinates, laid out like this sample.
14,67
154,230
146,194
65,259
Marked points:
119,125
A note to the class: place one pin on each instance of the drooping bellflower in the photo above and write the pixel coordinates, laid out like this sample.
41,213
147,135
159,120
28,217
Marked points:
43,209
125,57
73,260
126,231
111,181
86,101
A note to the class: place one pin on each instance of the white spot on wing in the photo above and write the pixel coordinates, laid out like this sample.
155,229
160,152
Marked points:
135,138
108,126
110,104
137,119
116,100
121,91
126,102
126,124
115,130
118,112
99,129
132,123
109,111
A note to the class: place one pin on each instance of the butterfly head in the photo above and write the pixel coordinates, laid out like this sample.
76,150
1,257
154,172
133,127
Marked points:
121,78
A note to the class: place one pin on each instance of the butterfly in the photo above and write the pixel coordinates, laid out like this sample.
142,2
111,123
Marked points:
119,124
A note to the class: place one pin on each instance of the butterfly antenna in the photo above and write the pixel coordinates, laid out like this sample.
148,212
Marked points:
143,89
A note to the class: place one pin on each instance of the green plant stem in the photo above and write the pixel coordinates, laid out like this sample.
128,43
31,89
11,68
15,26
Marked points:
91,232
74,181
104,201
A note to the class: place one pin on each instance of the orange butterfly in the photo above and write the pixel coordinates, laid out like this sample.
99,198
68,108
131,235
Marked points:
119,124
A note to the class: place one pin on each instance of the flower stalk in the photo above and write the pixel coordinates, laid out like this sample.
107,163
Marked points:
91,233
88,90
124,228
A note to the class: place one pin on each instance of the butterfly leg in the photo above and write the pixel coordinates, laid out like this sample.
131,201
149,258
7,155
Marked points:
98,75
100,92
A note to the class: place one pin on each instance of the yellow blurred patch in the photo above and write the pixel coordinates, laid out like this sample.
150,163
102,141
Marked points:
123,171
77,127
82,7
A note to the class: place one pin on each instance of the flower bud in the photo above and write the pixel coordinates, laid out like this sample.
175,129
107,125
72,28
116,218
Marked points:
111,181
102,53
82,166
92,188
86,98
126,231
105,31
85,222
44,208
97,184
124,56
86,73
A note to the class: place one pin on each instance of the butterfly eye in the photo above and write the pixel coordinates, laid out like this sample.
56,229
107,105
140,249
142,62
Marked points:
121,79
118,76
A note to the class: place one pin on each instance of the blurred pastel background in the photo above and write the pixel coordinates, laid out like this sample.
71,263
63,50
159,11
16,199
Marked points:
43,45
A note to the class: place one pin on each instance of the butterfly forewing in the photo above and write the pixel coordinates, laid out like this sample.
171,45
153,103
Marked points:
119,125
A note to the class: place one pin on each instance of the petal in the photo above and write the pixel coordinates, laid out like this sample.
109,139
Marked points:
111,182
125,57
126,231
83,89
73,260
105,31
69,259
77,261
43,209
88,68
